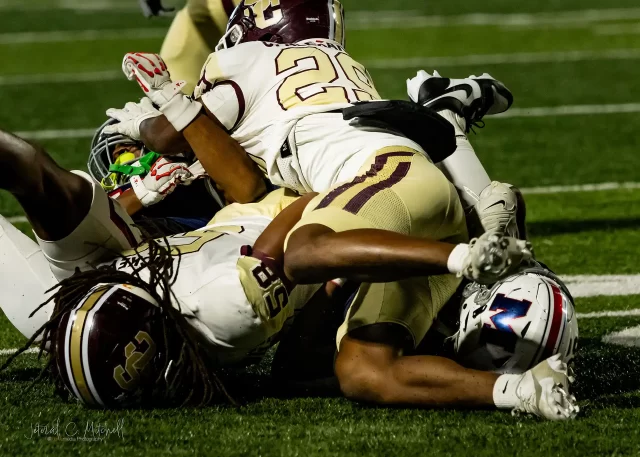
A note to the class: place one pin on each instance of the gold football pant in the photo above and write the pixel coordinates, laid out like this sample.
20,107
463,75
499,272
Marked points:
193,35
399,190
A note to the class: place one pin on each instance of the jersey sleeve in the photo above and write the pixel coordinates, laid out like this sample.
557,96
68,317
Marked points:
266,291
219,87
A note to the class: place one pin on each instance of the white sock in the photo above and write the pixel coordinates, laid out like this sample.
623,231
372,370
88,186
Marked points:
463,168
504,391
455,262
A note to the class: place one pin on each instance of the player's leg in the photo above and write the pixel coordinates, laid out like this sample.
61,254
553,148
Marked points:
381,226
74,220
25,277
193,35
54,199
463,102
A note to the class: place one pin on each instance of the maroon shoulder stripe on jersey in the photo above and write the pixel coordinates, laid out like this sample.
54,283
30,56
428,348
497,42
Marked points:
122,225
239,96
377,166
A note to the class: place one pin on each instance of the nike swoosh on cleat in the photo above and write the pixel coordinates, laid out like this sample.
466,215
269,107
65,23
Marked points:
500,202
465,87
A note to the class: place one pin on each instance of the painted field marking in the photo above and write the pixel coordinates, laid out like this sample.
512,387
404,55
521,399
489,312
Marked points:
628,337
379,64
14,350
500,59
570,110
80,35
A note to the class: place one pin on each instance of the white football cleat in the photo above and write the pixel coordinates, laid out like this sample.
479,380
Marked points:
472,97
492,257
544,391
496,208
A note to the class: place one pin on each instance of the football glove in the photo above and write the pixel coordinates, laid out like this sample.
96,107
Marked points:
163,178
151,73
154,8
131,117
491,257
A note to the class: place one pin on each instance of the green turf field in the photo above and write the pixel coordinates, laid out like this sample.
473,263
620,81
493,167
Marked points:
573,68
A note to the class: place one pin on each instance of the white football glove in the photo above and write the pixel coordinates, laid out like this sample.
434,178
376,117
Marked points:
162,179
131,117
489,258
151,73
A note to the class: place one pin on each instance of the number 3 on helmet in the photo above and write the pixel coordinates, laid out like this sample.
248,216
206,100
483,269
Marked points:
517,323
284,21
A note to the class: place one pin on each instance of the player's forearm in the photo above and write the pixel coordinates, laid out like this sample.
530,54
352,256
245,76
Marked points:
316,254
160,136
376,373
130,202
224,160
271,241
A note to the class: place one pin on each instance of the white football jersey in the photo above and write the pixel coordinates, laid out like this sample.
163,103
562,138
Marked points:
259,91
236,303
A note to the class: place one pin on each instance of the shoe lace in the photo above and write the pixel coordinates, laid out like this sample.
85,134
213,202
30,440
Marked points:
478,123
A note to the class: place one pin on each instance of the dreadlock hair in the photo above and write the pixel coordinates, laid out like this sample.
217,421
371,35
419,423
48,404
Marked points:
186,377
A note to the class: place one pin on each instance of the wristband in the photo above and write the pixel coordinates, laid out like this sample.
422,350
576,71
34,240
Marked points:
455,262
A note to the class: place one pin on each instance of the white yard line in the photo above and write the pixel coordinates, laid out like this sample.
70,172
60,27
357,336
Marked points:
80,35
414,19
580,286
594,285
580,188
629,337
56,134
381,64
600,314
570,110
50,78
17,219
14,350
498,59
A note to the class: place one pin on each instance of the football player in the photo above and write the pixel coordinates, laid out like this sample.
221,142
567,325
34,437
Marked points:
278,82
143,323
151,321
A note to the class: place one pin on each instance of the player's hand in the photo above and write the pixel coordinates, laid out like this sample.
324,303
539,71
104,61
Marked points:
154,8
163,178
131,117
148,69
492,257
153,77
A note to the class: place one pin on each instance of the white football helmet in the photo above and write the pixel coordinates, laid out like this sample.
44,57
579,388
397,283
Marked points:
518,322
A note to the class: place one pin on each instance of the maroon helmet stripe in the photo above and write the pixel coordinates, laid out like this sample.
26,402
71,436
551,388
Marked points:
380,162
122,225
357,202
556,322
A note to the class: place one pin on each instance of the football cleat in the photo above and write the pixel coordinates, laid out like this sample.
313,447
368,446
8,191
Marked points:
544,391
496,208
492,257
472,97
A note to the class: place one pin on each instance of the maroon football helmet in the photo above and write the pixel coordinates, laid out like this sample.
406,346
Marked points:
284,21
110,348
